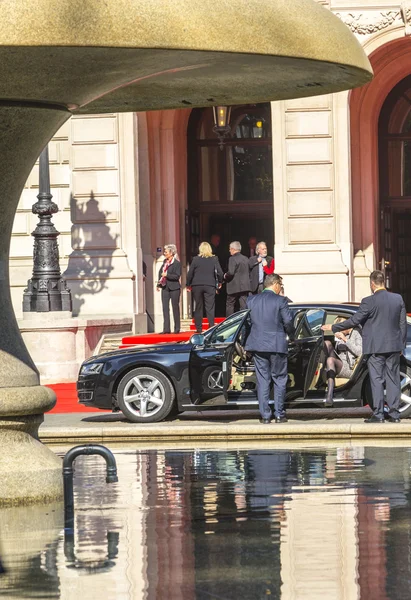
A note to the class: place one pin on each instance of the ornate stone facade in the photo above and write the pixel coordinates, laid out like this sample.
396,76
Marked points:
371,21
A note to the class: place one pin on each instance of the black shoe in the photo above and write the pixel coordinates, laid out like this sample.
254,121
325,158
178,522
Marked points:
164,332
265,421
199,331
374,419
178,331
281,420
328,403
393,419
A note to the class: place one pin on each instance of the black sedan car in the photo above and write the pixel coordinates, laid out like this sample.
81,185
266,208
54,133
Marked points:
149,383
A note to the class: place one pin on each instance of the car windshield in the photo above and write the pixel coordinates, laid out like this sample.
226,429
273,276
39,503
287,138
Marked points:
227,330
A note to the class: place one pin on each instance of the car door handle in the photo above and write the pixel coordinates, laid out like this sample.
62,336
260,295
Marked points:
219,356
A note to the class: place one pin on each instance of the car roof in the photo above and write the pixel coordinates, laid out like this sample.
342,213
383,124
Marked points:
326,305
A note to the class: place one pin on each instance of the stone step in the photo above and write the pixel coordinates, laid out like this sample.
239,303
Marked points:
110,342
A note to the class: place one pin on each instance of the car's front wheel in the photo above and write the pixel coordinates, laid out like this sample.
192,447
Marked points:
145,395
405,399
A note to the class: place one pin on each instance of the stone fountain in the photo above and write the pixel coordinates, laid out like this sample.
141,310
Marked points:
64,57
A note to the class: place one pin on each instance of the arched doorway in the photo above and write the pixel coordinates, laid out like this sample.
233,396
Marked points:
230,188
390,55
394,134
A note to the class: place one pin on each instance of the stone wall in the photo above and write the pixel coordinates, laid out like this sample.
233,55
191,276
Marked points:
311,208
92,169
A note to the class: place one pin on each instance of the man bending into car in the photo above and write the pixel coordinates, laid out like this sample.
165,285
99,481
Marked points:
271,320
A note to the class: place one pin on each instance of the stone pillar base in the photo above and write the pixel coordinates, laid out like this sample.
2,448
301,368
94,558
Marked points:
29,471
59,344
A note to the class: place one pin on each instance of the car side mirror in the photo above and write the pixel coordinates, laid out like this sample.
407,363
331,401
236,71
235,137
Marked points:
197,339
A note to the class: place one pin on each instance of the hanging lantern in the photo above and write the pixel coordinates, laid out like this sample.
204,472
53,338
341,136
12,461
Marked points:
222,123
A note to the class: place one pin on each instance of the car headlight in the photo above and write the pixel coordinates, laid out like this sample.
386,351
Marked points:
91,369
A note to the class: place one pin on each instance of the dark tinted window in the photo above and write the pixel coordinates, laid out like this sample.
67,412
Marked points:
227,331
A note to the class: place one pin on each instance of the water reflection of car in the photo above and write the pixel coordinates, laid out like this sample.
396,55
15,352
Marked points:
213,371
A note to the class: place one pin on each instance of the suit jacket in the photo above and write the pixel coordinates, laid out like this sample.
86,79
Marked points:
271,320
173,275
221,255
384,323
253,265
203,271
238,276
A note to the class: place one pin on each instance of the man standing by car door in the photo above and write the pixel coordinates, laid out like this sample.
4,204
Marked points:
384,333
271,320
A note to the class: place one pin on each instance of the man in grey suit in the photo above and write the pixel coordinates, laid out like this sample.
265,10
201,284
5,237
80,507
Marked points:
384,333
238,279
271,320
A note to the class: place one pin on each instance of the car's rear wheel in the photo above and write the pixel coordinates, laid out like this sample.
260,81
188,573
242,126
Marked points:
145,395
405,400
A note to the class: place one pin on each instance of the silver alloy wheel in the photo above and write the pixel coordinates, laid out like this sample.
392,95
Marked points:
144,395
405,402
215,380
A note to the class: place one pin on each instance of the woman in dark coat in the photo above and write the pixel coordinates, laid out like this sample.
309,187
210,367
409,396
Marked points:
204,278
169,284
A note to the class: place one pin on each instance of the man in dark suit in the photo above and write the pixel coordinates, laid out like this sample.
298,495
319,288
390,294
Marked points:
252,246
260,266
215,242
384,332
271,320
237,278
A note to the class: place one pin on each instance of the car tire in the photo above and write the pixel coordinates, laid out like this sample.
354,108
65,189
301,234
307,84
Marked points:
405,404
145,395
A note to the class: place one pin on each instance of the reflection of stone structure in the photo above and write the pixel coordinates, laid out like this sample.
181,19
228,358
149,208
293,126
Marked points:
305,550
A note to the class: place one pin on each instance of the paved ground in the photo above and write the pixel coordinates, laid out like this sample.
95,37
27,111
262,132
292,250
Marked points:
207,428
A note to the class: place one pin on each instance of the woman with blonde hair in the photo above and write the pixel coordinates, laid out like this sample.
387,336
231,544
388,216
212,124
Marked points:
169,284
204,279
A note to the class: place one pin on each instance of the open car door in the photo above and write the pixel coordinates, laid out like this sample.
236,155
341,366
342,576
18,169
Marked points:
305,351
211,363
314,366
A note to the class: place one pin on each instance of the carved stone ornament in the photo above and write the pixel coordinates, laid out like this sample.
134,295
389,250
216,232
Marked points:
368,23
406,15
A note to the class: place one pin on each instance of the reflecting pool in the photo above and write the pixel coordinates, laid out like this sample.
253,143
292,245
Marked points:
312,523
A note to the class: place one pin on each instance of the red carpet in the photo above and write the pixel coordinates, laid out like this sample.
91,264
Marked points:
158,338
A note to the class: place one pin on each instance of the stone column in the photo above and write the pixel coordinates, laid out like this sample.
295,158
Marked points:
311,204
29,471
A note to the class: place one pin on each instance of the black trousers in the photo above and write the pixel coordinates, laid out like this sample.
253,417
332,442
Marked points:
385,368
204,296
271,366
232,299
174,296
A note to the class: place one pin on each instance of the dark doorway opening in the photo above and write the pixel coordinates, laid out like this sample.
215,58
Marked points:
230,188
395,189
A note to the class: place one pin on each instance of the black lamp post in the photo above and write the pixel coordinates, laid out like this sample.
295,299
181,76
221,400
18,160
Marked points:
46,291
222,123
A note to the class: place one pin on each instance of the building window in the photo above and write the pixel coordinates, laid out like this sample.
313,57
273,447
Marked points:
242,170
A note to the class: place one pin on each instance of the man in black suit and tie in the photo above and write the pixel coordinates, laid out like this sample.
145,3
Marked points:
384,333
271,320
237,278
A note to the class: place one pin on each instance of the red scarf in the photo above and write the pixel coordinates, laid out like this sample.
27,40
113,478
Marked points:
163,280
